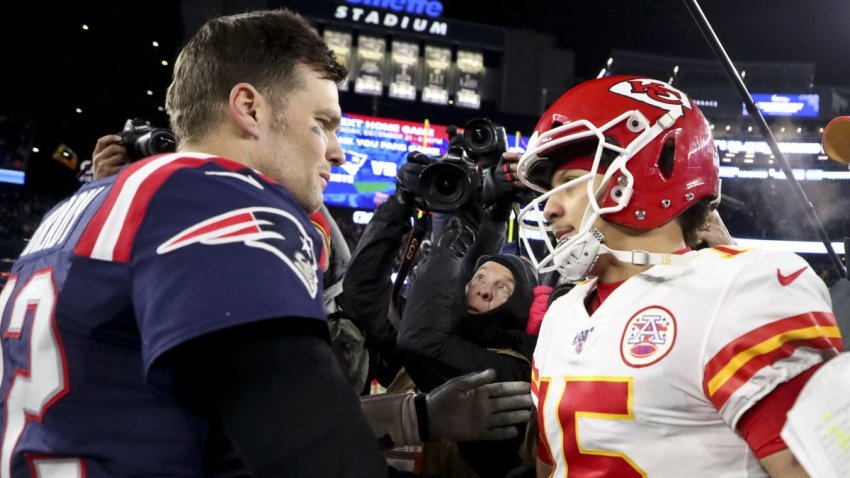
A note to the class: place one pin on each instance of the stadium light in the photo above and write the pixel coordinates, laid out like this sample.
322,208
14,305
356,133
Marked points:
78,110
164,63
85,27
35,149
155,43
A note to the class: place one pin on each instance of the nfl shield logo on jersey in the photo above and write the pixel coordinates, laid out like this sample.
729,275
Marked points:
648,337
580,339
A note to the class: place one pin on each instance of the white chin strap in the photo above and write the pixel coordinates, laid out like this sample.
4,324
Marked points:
574,262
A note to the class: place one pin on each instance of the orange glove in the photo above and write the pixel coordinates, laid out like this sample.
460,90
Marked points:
538,309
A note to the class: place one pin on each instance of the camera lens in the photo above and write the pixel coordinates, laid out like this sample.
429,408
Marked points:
155,142
480,137
445,186
163,142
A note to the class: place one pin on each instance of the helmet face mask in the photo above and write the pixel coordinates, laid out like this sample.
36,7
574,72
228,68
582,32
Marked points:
664,161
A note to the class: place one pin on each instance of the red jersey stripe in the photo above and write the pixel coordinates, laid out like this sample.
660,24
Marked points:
738,361
320,222
128,201
140,200
745,373
729,250
85,245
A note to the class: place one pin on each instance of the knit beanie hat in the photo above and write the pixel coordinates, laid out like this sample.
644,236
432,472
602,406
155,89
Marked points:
504,326
525,278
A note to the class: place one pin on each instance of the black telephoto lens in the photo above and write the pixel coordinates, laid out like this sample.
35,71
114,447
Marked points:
163,142
480,137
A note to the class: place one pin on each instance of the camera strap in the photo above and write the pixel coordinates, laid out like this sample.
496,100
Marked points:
414,240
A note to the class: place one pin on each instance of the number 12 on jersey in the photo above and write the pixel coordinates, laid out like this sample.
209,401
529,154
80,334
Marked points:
29,392
572,398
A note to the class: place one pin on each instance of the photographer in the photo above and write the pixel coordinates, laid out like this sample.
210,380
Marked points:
444,333
367,285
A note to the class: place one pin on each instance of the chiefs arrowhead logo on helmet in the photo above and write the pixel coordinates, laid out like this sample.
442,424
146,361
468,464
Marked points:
270,229
655,93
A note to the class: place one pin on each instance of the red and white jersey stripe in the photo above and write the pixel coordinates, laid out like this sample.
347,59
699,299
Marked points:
109,235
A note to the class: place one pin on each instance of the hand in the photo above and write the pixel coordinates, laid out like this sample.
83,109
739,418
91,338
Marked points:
472,408
538,309
500,181
716,233
408,188
108,156
458,236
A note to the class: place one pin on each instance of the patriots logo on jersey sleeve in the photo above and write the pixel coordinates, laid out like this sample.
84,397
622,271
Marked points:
273,230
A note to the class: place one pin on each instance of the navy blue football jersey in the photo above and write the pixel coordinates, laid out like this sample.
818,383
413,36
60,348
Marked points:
174,247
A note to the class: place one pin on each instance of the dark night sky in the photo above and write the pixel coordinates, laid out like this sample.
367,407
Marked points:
108,69
814,31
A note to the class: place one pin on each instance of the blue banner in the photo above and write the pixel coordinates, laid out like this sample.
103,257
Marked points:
786,105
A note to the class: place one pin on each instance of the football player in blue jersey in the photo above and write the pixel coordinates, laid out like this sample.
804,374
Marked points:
146,318
168,321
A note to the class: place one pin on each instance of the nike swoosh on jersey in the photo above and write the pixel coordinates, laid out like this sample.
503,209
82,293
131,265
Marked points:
788,279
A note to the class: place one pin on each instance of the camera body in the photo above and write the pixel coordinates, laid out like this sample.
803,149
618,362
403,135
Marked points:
451,180
141,140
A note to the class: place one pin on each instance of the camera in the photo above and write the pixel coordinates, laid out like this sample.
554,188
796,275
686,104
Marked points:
141,140
451,180
484,141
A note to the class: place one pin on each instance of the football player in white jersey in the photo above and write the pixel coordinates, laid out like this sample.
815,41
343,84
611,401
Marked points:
664,361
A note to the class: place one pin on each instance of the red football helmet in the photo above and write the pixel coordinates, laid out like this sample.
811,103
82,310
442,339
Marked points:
652,143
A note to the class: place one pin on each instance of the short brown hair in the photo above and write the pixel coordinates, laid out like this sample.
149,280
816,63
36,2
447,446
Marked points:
695,219
263,48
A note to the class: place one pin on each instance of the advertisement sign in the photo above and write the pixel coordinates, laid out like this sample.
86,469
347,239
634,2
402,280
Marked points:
374,150
15,147
786,105
370,65
422,19
405,58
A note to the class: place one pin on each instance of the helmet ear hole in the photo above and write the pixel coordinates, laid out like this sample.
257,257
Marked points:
667,158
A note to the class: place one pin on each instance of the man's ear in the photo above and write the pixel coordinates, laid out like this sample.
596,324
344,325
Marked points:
243,106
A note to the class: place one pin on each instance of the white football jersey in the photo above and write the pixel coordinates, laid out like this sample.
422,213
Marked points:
654,382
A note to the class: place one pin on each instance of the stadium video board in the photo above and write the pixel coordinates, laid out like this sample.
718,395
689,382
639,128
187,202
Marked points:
375,148
14,150
772,104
